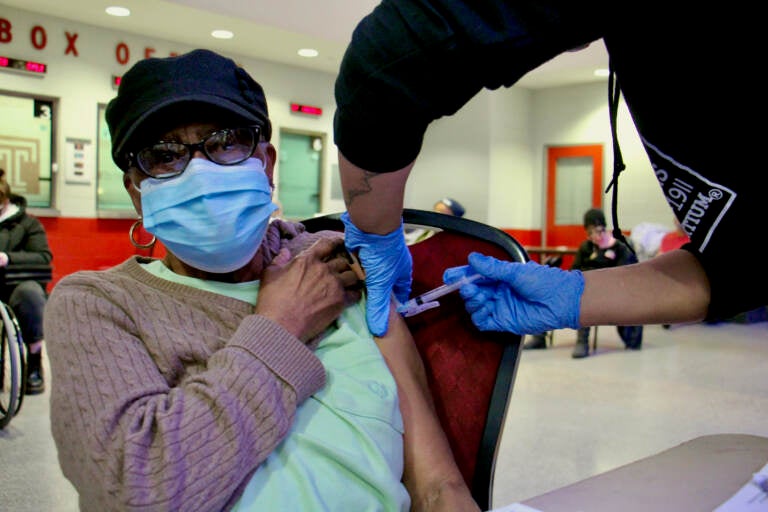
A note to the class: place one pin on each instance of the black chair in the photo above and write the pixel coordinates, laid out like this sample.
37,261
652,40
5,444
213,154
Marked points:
470,373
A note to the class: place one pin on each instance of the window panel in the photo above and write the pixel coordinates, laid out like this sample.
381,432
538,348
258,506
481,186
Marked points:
111,195
26,140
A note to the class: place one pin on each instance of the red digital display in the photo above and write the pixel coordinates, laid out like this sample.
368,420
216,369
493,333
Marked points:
29,66
35,67
306,109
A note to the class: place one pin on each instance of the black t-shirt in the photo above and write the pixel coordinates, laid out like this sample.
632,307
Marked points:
688,76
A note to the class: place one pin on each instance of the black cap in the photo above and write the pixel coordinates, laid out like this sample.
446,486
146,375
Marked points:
200,76
594,217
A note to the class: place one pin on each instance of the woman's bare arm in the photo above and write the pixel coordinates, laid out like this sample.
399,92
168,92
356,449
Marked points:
431,475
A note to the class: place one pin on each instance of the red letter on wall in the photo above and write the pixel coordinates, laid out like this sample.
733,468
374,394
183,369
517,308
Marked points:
38,37
148,52
71,38
5,31
122,54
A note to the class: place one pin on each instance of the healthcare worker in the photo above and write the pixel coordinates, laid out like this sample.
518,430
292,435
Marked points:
413,61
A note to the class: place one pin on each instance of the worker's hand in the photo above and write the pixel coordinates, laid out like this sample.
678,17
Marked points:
387,263
523,298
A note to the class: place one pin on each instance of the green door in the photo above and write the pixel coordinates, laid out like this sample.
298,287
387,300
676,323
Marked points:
299,174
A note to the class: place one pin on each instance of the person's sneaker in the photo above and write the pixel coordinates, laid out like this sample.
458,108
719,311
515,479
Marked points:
537,341
35,382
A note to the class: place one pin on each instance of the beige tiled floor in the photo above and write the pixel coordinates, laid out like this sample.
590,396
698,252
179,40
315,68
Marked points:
568,419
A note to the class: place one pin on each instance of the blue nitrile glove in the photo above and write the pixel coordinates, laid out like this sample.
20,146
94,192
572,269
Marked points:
388,266
523,298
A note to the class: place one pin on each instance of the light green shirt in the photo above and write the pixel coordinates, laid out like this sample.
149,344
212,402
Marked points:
344,451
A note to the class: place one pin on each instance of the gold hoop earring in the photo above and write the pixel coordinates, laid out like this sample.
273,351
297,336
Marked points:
133,240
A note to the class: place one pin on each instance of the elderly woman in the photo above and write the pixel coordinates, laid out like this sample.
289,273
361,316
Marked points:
237,372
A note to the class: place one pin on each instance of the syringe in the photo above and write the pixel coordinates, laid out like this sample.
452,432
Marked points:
428,300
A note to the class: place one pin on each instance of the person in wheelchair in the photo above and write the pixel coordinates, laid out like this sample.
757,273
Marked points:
238,371
599,250
23,241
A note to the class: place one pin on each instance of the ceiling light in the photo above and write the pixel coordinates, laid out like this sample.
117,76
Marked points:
117,11
308,52
222,34
602,72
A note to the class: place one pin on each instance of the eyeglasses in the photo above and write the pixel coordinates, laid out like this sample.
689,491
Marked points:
229,146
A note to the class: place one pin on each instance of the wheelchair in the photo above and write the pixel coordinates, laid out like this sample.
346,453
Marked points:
13,366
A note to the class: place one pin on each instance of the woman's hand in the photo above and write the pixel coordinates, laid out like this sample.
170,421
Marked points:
309,292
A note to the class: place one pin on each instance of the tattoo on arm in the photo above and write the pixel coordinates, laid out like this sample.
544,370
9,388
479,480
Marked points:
364,188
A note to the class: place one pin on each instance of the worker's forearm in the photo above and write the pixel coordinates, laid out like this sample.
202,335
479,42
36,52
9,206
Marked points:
670,288
374,200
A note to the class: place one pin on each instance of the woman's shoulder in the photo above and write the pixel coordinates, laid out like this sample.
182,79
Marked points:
99,277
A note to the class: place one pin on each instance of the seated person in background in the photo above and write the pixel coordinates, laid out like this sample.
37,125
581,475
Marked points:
23,241
445,206
449,206
599,250
237,373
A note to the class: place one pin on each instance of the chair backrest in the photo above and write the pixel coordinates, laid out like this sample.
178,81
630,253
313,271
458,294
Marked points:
470,373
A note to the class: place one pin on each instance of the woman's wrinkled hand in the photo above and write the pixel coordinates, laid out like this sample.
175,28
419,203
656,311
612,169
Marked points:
306,294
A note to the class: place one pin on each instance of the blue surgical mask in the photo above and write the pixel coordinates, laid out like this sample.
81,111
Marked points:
212,217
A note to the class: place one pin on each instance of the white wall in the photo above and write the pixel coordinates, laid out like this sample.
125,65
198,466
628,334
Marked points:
481,156
513,193
579,115
489,156
455,162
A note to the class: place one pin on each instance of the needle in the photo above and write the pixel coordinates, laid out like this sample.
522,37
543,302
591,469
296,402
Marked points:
428,300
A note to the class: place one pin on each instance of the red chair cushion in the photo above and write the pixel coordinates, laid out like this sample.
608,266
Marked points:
461,361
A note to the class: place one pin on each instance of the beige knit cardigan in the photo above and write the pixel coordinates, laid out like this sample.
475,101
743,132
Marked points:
166,397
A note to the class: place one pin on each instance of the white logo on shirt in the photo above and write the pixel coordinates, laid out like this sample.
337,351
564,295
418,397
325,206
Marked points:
702,202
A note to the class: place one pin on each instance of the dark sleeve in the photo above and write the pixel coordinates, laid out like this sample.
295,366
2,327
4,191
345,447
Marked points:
413,61
35,248
716,192
626,256
736,286
585,249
